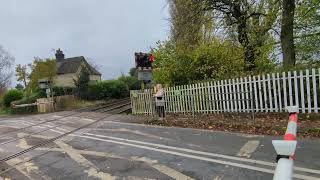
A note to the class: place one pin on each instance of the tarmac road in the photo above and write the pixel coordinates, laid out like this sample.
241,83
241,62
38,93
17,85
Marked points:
116,149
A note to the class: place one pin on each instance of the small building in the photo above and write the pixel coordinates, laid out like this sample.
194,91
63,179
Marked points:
68,69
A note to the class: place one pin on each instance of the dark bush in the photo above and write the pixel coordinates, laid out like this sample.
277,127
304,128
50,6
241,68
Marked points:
12,95
30,98
61,91
24,110
107,90
132,82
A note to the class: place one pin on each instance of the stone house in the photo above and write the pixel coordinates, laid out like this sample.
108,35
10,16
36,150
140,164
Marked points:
69,69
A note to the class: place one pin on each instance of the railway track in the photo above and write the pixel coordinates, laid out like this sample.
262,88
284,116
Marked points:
46,142
109,108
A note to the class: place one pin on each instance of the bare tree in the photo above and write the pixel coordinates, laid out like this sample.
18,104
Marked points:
92,63
6,62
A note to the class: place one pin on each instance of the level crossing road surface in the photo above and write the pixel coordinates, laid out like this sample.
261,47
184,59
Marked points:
110,147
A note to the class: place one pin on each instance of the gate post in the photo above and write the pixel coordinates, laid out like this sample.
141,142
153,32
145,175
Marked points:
286,148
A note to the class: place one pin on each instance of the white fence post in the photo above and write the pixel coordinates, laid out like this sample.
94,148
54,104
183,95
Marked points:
275,95
314,87
308,91
270,95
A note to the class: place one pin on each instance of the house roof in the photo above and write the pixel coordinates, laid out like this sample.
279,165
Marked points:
71,65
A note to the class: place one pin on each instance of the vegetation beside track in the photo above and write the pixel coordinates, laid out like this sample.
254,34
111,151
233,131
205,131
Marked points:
262,124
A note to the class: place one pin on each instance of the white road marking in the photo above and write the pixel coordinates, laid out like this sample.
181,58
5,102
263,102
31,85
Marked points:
265,163
248,149
218,177
92,169
25,170
132,131
22,142
300,176
163,169
74,153
200,152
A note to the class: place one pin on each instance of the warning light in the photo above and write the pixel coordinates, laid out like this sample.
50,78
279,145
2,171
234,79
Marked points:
144,60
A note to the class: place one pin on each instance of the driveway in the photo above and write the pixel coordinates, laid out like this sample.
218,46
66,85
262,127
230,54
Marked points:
113,148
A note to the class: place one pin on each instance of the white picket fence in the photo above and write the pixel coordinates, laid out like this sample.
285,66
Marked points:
262,93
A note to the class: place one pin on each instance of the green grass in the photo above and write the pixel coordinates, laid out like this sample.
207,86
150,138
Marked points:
5,111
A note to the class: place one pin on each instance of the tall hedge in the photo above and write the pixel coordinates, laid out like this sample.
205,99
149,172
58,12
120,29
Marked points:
109,89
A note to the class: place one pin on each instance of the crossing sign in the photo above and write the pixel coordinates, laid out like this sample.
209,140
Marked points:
145,75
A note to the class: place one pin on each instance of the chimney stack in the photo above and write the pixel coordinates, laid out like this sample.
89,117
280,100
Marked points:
59,55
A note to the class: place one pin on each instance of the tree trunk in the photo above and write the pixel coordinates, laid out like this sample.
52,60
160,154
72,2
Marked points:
287,42
249,50
243,38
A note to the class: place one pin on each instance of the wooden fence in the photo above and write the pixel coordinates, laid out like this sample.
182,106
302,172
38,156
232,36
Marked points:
262,93
45,105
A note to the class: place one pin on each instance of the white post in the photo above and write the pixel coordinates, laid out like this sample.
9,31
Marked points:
270,94
279,92
264,93
286,148
275,92
234,92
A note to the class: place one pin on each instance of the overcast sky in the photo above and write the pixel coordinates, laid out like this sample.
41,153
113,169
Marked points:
106,31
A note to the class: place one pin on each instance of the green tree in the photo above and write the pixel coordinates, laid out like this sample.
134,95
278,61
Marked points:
133,72
215,60
131,82
306,30
252,23
82,84
19,87
22,74
41,69
187,23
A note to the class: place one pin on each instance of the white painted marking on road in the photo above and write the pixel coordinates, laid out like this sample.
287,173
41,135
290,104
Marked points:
92,169
22,142
199,157
248,149
265,163
87,119
153,163
218,177
27,166
132,131
163,169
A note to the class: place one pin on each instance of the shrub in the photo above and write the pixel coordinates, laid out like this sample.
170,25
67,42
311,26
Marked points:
31,98
24,110
61,91
132,83
12,95
107,90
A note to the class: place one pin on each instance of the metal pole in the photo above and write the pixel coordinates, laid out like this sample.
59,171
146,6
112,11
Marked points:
286,148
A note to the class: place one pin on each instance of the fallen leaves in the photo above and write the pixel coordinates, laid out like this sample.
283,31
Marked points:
262,124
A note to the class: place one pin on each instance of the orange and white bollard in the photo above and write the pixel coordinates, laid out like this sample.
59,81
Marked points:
286,148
